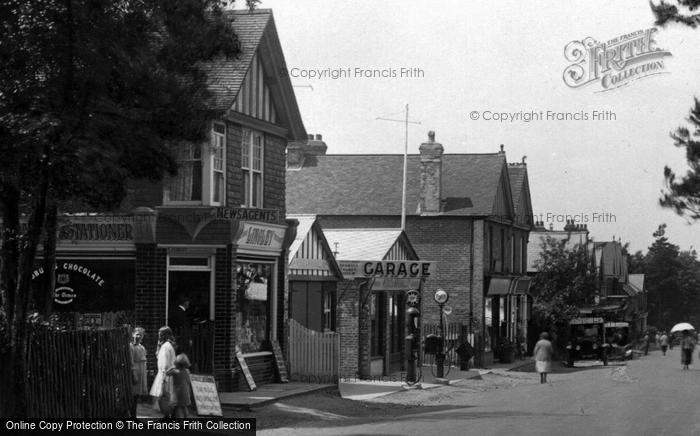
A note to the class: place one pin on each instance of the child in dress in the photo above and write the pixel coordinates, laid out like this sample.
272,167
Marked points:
139,386
181,386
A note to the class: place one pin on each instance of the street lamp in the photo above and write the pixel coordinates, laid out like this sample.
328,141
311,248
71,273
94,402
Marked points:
441,298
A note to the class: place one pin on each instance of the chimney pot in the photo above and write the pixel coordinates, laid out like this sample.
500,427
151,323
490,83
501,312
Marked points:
431,136
502,149
311,137
319,137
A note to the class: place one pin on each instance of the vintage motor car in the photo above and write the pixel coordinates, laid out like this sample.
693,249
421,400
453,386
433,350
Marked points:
587,340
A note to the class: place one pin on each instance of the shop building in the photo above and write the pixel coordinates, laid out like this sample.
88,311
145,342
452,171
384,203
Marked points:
380,267
470,213
214,234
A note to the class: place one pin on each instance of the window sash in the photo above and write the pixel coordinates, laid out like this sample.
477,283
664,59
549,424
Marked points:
252,164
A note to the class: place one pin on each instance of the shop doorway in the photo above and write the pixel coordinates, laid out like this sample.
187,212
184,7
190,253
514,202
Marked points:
194,330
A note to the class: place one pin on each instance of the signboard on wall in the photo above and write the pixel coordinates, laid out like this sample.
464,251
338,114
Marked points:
258,236
91,285
402,269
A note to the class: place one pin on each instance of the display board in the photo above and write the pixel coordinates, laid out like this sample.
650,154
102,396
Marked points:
244,368
206,396
279,360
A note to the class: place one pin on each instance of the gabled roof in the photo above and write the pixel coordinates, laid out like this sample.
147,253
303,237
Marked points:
309,224
365,244
519,186
372,184
257,33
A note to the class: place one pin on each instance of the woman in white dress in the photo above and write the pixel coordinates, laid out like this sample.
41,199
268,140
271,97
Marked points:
543,356
162,388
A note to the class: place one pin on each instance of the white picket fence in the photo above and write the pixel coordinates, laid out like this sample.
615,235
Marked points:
313,356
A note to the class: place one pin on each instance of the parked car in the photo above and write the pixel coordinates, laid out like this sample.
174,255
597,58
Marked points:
587,340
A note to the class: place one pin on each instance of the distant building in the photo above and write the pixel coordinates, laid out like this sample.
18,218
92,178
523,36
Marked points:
620,297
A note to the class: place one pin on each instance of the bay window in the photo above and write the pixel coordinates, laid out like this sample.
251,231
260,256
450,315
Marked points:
201,176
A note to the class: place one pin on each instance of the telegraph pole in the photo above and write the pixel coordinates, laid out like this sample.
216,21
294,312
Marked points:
405,163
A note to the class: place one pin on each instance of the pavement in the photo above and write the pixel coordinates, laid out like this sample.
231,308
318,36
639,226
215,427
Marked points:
353,389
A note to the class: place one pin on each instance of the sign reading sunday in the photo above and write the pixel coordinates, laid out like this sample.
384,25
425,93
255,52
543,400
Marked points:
411,269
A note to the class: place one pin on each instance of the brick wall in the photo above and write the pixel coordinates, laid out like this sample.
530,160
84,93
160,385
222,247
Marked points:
224,319
149,300
445,240
347,326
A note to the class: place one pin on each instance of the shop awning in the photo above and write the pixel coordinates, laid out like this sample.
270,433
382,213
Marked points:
499,286
521,285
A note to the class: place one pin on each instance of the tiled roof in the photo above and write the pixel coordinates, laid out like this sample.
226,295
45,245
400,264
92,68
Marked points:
372,184
534,246
226,76
362,244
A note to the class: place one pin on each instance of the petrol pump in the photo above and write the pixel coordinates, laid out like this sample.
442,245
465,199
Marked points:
412,340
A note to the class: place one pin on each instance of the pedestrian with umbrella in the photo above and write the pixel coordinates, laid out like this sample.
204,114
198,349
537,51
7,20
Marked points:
687,343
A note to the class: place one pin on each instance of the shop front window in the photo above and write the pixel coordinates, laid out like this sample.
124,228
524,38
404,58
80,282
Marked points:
254,287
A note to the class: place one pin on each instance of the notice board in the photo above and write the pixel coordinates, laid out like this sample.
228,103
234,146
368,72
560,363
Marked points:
279,360
206,397
244,368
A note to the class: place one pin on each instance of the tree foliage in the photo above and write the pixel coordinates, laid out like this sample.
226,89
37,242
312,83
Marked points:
684,12
563,283
92,94
672,280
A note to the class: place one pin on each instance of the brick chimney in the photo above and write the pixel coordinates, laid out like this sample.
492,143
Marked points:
299,152
430,175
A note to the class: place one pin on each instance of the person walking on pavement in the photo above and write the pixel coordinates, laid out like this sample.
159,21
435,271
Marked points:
543,356
645,343
663,341
687,347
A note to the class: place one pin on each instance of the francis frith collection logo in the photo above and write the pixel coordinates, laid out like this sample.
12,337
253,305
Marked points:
614,63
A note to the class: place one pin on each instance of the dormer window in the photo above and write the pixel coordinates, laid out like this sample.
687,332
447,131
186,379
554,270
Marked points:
201,174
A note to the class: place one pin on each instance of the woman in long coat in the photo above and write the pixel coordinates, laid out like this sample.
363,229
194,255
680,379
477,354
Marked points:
162,388
543,356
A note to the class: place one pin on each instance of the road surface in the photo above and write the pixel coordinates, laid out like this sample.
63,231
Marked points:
648,396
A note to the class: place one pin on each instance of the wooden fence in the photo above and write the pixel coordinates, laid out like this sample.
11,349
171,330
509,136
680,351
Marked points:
313,356
455,335
79,374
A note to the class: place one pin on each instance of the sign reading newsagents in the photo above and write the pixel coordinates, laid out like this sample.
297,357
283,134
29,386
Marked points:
397,269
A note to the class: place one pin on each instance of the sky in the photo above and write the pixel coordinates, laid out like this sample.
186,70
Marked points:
457,63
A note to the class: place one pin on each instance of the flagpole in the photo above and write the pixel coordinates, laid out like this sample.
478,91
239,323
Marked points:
405,163
405,169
